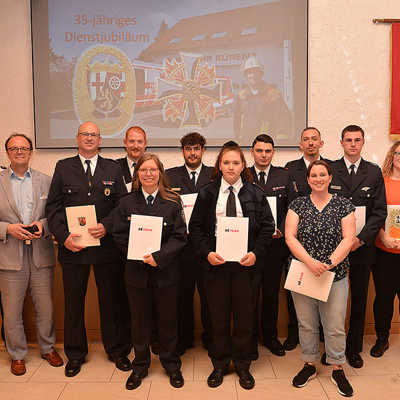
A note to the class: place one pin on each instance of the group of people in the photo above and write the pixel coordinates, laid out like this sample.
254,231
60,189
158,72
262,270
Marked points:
149,303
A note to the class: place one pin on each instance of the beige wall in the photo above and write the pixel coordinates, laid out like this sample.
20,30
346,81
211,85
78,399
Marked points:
349,82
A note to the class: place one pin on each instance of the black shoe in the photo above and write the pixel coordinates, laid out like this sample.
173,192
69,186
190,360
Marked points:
291,342
135,380
246,380
155,348
73,368
275,347
176,379
216,377
323,359
379,348
121,363
355,360
343,386
308,372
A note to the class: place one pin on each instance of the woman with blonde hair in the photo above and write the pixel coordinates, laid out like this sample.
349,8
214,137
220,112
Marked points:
151,284
386,271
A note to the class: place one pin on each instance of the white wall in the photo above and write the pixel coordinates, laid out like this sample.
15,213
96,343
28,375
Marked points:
349,78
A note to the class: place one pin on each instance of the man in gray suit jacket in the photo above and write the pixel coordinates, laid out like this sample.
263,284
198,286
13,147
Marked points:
26,254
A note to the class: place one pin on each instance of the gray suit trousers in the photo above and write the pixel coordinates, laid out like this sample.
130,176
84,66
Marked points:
13,287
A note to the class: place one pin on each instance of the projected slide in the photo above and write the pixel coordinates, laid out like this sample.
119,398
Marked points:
227,69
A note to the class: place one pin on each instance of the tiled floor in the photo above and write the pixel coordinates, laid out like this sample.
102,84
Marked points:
378,379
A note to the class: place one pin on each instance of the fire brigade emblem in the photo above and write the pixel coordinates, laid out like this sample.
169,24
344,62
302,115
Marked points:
188,90
82,221
104,89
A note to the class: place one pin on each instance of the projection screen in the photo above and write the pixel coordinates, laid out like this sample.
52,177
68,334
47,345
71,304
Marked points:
229,69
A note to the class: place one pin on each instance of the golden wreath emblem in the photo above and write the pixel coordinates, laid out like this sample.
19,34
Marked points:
104,89
107,191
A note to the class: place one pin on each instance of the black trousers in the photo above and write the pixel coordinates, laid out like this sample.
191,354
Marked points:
271,283
386,274
114,332
359,280
231,290
142,302
191,275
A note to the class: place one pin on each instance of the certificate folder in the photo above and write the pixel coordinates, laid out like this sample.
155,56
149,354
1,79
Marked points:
188,201
301,280
144,236
232,237
392,224
79,218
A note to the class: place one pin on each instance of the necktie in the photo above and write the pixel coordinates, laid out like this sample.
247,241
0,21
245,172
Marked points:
231,204
352,174
193,179
88,172
150,199
262,177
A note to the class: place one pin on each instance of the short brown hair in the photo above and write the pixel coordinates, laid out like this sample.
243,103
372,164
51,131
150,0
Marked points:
136,128
319,162
193,138
352,128
16,134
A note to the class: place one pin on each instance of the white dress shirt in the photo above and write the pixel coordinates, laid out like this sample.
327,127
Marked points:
223,198
356,165
197,172
93,163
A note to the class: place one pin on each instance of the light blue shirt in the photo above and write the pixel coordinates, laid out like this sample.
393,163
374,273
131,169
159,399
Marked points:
23,194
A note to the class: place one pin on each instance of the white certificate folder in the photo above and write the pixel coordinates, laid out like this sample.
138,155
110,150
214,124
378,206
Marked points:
144,236
301,280
232,237
79,218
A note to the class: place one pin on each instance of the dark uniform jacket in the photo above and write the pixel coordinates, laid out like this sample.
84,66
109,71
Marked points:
298,173
126,172
254,206
70,187
179,179
173,239
368,190
280,186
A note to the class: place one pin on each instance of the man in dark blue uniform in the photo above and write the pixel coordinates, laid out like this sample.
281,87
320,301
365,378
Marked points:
276,183
89,179
361,182
135,143
186,179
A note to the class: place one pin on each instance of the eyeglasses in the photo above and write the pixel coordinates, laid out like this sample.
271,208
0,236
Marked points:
16,149
89,134
396,154
151,171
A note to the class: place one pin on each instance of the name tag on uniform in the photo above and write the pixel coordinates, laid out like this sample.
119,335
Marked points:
336,187
176,189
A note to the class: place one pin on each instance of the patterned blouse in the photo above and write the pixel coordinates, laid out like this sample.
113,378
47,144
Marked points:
320,232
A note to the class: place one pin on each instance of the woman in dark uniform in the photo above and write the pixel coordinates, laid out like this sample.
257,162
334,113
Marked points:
153,281
231,287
